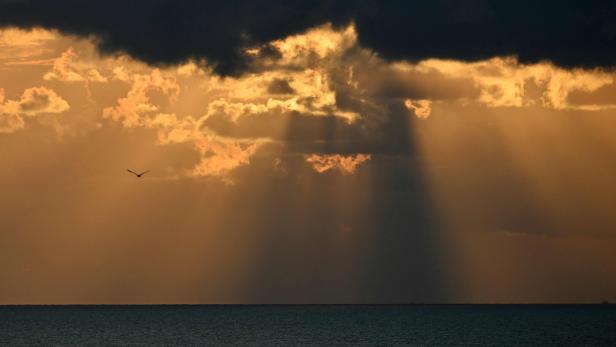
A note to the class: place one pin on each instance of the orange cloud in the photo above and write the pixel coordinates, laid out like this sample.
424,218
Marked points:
136,109
66,68
219,155
321,72
40,100
420,107
18,45
10,123
33,102
503,82
346,164
323,43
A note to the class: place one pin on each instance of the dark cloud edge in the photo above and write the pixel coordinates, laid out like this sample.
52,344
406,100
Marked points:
161,32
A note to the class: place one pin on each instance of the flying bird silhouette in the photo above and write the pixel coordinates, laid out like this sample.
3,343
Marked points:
138,174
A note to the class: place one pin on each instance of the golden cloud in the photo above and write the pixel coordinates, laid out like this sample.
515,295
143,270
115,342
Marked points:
346,164
18,45
504,82
33,102
421,108
309,48
321,72
136,109
219,155
38,100
10,123
67,68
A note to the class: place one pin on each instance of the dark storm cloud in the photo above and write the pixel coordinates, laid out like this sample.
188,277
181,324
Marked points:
569,33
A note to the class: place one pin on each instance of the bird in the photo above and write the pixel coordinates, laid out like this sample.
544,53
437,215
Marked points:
138,174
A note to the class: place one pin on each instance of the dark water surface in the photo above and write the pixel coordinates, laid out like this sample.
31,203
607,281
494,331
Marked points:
421,325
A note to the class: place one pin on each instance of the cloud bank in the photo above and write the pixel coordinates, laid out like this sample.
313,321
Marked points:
569,34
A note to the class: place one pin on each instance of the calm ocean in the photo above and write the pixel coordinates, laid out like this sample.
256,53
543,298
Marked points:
461,325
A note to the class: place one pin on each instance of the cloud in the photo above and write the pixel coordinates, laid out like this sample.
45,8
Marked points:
569,34
19,46
346,164
505,146
33,102
66,68
421,108
280,86
39,100
168,32
601,97
505,82
136,109
316,91
10,123
219,155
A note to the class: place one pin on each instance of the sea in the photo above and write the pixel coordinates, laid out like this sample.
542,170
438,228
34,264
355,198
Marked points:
309,325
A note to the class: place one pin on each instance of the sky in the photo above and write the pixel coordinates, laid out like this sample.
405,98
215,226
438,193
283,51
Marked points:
307,152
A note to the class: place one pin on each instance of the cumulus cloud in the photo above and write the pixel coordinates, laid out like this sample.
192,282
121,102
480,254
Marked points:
67,68
19,46
317,91
37,100
322,92
33,102
346,164
421,108
219,155
504,82
136,109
